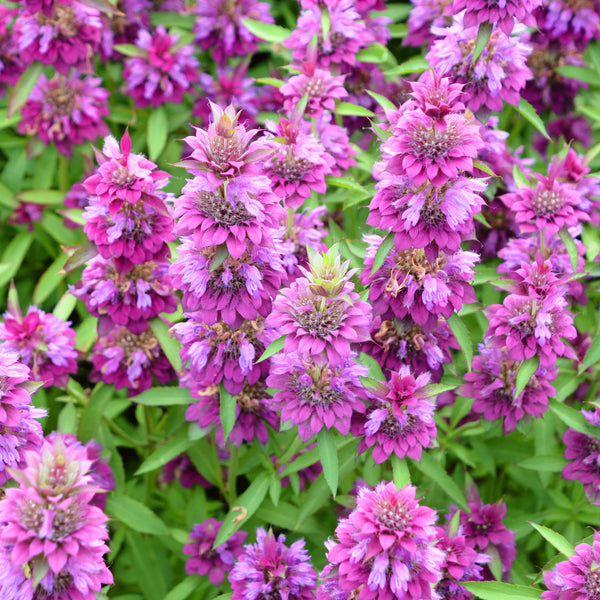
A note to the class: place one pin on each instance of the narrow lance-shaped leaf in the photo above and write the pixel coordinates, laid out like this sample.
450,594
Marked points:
525,373
22,90
483,37
273,348
463,337
329,458
384,249
559,541
529,113
266,31
227,404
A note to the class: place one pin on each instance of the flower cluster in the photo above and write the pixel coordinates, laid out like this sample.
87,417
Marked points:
52,536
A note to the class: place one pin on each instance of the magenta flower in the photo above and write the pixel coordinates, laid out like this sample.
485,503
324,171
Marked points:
492,384
426,216
424,15
45,343
50,524
318,325
316,397
408,284
164,72
67,38
218,353
128,299
206,560
238,289
569,22
299,164
399,419
270,569
65,111
219,27
385,549
550,206
425,148
130,360
335,140
183,470
499,73
11,63
252,413
19,425
322,87
503,13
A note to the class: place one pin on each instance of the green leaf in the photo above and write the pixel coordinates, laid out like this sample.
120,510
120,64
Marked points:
571,247
183,589
227,403
573,418
484,168
592,356
520,179
525,373
375,53
436,473
7,198
398,30
544,464
103,6
221,255
65,306
81,256
130,50
246,505
414,65
273,348
345,182
352,110
22,90
94,410
266,31
375,371
169,345
157,132
13,256
46,197
384,102
164,396
496,590
579,73
163,454
269,81
435,389
50,280
329,458
483,37
400,471
135,515
529,113
559,541
204,458
384,249
463,337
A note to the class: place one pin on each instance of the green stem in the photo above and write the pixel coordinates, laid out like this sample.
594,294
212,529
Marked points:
290,222
234,462
124,435
63,173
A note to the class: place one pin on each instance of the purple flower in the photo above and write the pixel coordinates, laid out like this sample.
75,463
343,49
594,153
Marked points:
206,560
399,419
69,37
270,569
65,111
385,549
499,73
164,72
219,27
316,397
252,412
238,289
335,140
425,15
50,524
299,164
408,284
426,215
492,384
182,469
322,87
576,578
130,360
11,63
20,429
503,13
219,353
128,299
45,343
569,22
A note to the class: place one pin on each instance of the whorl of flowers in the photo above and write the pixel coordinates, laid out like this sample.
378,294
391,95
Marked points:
162,72
320,314
19,425
577,577
270,569
51,529
65,111
206,560
503,13
385,549
399,419
569,22
45,343
219,27
316,397
497,75
67,38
